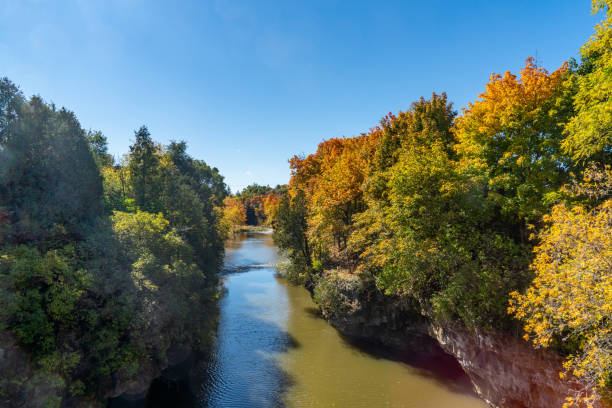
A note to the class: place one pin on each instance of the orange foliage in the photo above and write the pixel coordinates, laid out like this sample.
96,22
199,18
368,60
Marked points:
512,136
332,179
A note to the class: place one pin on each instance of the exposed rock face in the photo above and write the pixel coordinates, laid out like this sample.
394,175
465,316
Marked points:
505,370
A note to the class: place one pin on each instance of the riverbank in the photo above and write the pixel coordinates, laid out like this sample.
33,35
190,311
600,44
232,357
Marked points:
256,228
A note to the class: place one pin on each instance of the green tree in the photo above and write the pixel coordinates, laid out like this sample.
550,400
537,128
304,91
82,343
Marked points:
98,145
143,165
10,99
49,182
290,233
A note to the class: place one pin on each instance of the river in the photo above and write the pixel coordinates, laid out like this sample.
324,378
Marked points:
272,349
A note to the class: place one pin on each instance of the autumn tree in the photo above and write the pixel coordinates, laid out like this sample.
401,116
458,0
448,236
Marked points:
271,202
511,137
570,299
233,215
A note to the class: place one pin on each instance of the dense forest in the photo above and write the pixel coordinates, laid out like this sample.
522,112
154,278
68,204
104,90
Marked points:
104,264
498,218
254,205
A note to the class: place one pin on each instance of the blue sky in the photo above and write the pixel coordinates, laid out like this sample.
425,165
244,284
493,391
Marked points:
248,84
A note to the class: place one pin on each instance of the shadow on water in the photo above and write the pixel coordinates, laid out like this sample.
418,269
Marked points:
433,363
423,354
242,372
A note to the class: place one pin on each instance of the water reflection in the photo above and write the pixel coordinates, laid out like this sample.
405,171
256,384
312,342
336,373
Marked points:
243,371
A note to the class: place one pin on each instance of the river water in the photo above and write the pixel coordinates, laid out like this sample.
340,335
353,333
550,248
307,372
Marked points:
273,350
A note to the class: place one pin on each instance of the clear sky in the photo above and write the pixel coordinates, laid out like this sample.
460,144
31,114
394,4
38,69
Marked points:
248,84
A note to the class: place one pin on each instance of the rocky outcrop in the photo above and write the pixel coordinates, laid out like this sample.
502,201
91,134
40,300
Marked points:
506,371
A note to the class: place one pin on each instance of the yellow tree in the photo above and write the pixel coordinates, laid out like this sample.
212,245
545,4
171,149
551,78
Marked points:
570,299
331,179
233,214
271,203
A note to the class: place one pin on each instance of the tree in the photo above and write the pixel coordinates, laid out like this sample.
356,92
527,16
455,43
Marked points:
290,233
512,138
49,181
589,132
90,297
98,145
10,100
233,215
143,167
205,181
570,300
271,203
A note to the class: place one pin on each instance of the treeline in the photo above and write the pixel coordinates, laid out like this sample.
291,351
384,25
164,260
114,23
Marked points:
501,213
255,205
103,265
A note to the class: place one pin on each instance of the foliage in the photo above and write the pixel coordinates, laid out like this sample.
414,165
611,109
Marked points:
144,166
41,148
511,138
163,270
570,298
143,233
255,189
260,203
116,189
290,235
10,100
99,149
271,202
91,285
40,294
589,132
234,215
335,293
440,210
